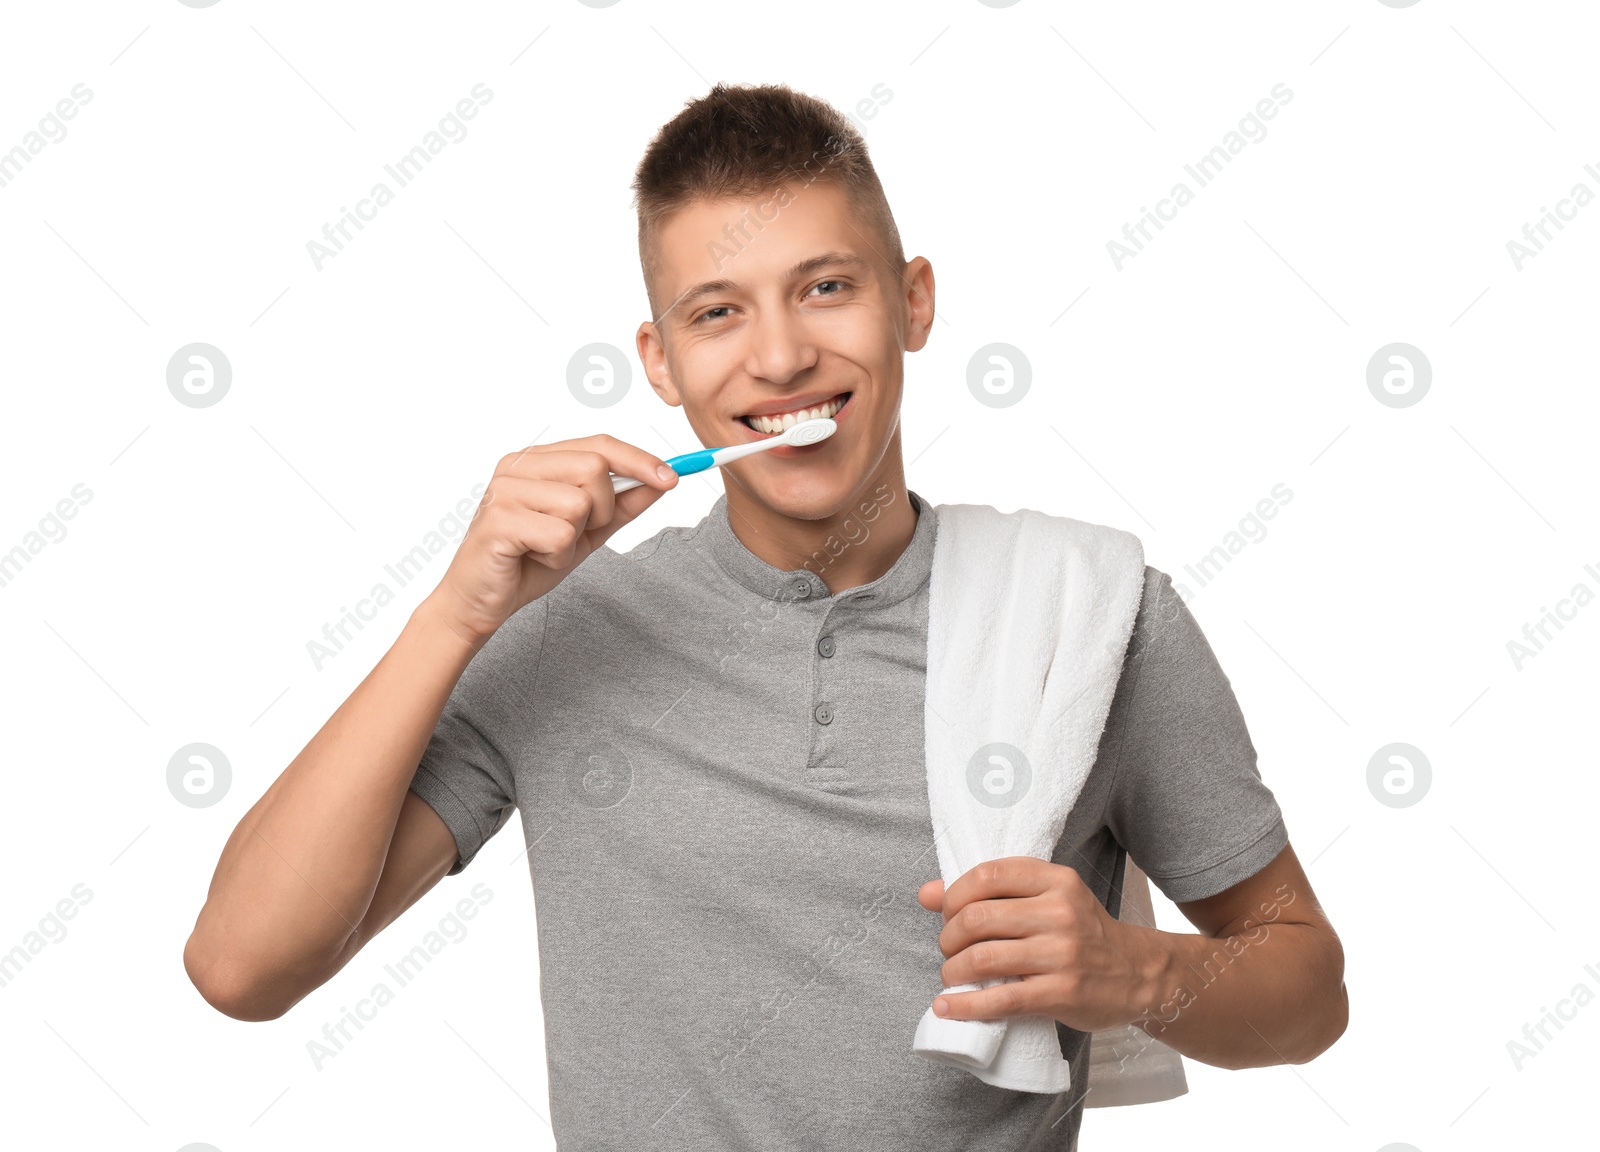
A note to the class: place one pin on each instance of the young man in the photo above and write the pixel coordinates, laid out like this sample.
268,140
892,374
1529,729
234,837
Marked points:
715,740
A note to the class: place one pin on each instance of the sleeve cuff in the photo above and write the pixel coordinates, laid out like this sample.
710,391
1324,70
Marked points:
455,814
1242,864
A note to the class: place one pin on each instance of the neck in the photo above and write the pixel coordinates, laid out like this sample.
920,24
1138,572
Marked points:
847,548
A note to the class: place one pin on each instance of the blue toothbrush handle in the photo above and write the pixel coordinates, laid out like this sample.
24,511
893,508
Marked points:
691,462
686,465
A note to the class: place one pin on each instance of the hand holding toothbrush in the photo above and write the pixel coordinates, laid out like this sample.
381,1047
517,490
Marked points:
543,512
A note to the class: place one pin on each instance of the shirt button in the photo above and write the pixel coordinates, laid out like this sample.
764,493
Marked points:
824,714
802,587
825,646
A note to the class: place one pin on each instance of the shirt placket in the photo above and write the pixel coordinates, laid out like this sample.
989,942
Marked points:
832,712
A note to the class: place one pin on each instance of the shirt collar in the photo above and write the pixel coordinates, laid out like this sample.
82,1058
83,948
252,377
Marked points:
909,572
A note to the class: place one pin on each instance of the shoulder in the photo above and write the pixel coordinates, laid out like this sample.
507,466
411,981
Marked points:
659,567
1027,529
660,555
1163,619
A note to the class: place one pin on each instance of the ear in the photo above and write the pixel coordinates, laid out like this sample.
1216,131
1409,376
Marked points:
653,355
916,285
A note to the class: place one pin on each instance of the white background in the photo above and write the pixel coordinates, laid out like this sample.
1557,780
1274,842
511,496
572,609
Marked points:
370,396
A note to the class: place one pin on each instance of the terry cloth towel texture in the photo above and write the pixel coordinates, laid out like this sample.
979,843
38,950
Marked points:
1029,617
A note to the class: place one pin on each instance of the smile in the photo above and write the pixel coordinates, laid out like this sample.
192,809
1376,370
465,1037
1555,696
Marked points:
779,421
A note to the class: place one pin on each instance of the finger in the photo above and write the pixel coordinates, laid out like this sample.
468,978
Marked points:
1013,998
544,519
1006,876
1009,918
990,959
564,460
611,510
931,895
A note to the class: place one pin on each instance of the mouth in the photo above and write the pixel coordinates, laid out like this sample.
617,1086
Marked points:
775,423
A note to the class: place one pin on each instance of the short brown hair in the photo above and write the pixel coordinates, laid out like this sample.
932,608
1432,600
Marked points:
747,139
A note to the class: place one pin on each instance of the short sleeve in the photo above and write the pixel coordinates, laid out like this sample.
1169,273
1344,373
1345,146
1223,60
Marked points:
466,772
1187,800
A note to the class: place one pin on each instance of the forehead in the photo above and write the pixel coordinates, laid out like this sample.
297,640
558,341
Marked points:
748,239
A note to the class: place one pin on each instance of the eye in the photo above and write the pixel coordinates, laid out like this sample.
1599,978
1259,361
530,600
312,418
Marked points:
708,312
842,285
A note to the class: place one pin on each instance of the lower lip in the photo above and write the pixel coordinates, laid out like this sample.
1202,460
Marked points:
788,450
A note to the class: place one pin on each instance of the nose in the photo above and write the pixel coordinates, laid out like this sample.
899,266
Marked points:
780,348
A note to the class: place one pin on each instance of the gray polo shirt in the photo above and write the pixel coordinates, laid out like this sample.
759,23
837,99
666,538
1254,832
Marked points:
719,767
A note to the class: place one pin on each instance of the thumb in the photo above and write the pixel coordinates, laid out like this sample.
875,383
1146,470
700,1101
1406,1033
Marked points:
931,896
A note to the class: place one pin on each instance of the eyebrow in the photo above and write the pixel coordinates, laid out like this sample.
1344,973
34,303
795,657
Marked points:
804,268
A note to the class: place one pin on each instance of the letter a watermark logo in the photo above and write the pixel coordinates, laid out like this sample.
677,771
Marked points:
198,375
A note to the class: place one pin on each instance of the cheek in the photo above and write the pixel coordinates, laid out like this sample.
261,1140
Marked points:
868,350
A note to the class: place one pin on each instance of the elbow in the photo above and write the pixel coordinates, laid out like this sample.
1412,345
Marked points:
226,988
1333,1026
1335,997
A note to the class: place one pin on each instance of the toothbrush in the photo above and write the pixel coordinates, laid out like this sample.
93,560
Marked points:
803,432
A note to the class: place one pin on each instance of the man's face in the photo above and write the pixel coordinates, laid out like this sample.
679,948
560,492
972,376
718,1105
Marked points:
781,302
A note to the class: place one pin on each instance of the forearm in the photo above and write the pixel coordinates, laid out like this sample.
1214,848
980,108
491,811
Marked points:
1265,994
299,871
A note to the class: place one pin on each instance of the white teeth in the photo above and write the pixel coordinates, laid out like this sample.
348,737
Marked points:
776,424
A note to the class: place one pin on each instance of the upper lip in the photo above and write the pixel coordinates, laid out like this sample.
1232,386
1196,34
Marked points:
794,405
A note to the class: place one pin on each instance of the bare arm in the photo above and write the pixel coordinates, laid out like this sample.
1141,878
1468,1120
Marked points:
338,846
293,895
1263,985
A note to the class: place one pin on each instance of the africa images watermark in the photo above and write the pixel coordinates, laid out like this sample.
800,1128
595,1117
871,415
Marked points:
1229,949
1251,530
1536,236
737,1037
50,530
451,129
1538,634
1566,1009
403,570
755,619
450,930
51,930
1203,171
736,237
51,130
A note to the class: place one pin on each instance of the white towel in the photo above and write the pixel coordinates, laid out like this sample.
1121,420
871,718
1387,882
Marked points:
1029,617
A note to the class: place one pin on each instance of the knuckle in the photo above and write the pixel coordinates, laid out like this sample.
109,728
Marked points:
566,535
982,958
579,504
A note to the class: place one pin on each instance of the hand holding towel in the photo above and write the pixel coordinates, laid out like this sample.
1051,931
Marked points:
1028,620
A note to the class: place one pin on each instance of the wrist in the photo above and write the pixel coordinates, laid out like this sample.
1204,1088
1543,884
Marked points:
1157,959
434,620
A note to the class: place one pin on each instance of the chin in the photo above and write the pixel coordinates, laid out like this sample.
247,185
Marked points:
807,497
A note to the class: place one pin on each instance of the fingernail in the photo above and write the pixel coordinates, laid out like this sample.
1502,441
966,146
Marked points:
664,473
941,1007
